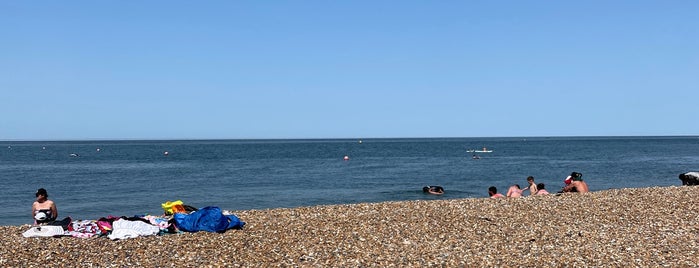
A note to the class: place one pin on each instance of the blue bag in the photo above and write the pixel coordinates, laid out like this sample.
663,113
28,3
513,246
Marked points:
209,219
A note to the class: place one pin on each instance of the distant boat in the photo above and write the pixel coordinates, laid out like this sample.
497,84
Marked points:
485,150
74,155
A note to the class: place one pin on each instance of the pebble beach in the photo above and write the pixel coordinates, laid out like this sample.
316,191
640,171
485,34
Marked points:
641,227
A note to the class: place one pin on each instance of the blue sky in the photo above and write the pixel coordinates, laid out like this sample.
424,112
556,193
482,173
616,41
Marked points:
347,69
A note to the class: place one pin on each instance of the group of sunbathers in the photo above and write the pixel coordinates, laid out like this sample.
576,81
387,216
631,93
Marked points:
574,183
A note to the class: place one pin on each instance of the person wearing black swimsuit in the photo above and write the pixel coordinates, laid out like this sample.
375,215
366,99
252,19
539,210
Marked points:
43,209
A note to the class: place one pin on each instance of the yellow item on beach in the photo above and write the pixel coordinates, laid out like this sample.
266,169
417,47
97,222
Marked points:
173,207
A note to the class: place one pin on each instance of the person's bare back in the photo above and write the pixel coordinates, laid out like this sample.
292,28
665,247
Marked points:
514,191
578,186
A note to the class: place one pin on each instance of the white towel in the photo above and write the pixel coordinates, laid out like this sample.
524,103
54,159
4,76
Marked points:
44,231
123,229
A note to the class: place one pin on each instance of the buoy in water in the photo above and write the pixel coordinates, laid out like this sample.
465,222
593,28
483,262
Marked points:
345,158
98,149
166,153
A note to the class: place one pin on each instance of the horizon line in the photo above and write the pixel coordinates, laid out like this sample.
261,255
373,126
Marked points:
343,138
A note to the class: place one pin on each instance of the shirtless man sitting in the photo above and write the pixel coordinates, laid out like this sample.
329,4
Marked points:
577,185
493,192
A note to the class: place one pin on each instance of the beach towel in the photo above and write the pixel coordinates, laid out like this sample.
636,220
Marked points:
84,229
123,229
44,231
209,219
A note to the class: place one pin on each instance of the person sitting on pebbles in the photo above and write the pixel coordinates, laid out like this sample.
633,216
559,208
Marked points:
43,209
532,186
438,190
542,189
576,184
493,192
514,191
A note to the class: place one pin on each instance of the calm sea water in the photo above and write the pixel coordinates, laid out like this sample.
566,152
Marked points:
135,177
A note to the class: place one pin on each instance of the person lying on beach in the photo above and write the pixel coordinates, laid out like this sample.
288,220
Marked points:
493,192
577,185
43,209
532,186
542,189
433,190
514,191
690,178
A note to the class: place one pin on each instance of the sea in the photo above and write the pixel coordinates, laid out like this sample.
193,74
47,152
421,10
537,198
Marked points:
93,179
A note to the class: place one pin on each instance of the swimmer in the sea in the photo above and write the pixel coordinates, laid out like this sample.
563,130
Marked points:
438,190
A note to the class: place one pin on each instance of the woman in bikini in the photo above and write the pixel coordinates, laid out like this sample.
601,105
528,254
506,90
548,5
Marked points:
43,209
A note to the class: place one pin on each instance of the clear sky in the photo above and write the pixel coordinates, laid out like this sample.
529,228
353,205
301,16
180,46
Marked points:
347,69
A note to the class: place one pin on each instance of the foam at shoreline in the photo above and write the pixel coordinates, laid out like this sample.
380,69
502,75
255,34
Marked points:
621,227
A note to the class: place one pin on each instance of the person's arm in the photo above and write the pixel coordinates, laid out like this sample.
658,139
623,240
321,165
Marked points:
33,209
568,187
54,210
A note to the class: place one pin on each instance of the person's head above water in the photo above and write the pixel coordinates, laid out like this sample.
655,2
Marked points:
433,189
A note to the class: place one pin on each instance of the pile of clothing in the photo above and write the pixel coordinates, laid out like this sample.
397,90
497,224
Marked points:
210,219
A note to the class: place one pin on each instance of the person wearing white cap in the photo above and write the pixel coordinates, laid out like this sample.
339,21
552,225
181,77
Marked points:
43,209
